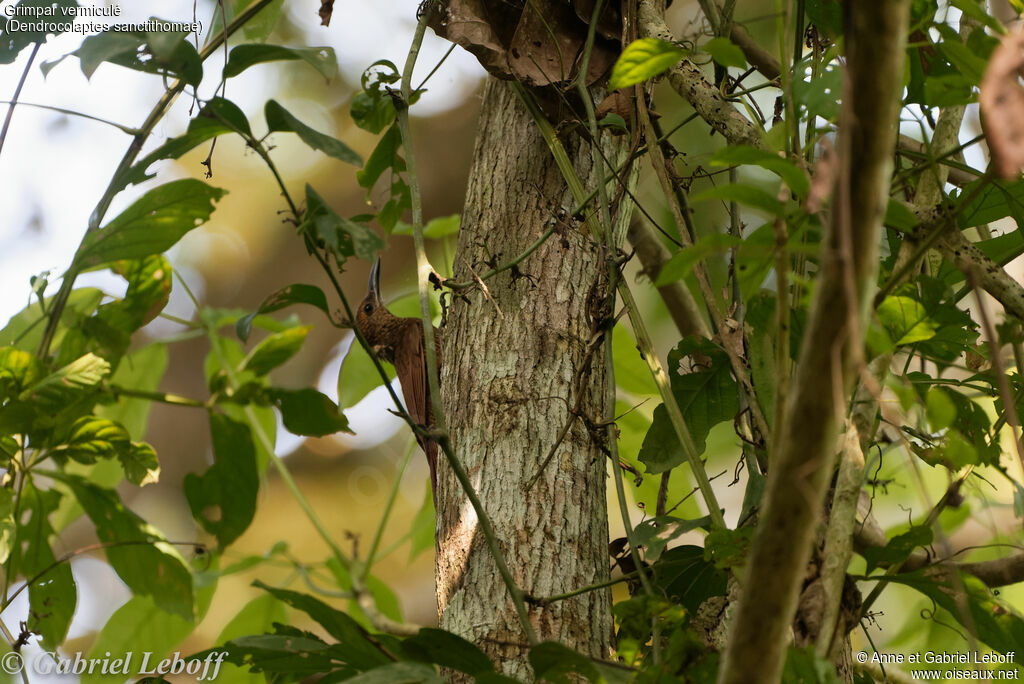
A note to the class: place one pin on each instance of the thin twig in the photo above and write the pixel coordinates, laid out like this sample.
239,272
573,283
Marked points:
17,94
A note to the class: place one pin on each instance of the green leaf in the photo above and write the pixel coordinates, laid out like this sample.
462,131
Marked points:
728,548
51,593
965,61
747,195
18,370
141,629
151,567
166,53
725,52
643,59
682,262
223,499
291,294
631,371
373,108
73,381
360,652
553,661
686,578
275,349
706,395
342,236
141,370
244,56
899,548
422,532
357,376
290,652
940,409
900,216
442,226
447,650
820,95
15,39
280,119
217,117
905,320
256,617
25,329
140,464
735,155
804,666
308,412
7,524
152,224
93,438
654,534
398,673
384,156
986,201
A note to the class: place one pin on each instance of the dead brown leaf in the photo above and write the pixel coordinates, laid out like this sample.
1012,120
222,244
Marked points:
326,11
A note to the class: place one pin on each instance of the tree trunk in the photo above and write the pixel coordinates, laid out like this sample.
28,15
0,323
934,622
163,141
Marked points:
511,362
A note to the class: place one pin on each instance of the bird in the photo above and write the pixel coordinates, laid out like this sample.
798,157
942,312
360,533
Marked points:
399,341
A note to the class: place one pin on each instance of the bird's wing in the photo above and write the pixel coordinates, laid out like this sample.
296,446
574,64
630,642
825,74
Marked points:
411,367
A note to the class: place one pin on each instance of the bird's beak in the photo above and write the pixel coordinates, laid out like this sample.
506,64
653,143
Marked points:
373,288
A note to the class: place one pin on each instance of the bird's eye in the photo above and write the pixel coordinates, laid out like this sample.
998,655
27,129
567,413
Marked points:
368,309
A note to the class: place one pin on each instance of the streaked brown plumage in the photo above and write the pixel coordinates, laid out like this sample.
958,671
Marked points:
399,341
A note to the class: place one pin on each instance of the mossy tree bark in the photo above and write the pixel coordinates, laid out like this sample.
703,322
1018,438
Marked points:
510,377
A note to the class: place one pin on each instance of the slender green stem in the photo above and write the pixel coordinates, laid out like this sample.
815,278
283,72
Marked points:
423,268
161,397
12,103
504,267
12,641
71,112
388,507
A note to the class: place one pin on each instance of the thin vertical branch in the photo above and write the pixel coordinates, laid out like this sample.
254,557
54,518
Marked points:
17,94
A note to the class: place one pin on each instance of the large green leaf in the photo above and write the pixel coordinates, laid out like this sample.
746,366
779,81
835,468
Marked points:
449,650
280,119
308,412
343,237
286,296
74,381
686,578
643,59
398,673
706,395
138,553
51,590
747,195
735,155
682,263
15,38
987,200
244,56
25,329
166,53
223,499
357,376
217,117
725,52
631,371
256,617
152,224
275,349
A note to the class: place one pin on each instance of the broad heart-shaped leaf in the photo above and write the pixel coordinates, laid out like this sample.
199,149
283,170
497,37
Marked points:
71,382
686,578
140,628
443,648
244,56
360,652
747,195
643,59
280,119
735,155
308,412
286,296
358,376
51,593
343,237
163,52
223,499
152,224
725,52
217,117
14,39
275,349
138,553
706,396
